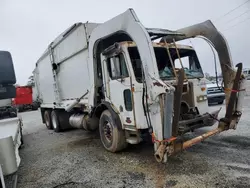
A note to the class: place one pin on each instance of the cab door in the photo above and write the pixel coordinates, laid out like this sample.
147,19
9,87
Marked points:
117,86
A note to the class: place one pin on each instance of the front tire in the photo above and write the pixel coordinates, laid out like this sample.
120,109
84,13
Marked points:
47,119
112,138
55,121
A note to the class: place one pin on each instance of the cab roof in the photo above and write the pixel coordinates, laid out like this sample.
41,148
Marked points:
158,44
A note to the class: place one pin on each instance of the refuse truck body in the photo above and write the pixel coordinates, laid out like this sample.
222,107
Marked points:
130,81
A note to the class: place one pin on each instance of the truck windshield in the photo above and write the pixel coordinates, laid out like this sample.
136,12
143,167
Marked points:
189,61
188,57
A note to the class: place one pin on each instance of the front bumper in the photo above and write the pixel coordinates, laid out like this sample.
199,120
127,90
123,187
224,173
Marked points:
169,146
207,119
214,98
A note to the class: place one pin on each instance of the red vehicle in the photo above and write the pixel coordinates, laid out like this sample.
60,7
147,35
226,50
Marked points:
24,99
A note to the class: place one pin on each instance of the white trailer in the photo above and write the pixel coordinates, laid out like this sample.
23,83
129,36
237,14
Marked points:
34,93
115,76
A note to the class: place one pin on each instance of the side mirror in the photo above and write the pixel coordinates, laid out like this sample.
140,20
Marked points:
7,76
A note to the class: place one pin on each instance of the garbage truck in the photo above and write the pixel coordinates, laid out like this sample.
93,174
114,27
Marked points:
10,122
130,82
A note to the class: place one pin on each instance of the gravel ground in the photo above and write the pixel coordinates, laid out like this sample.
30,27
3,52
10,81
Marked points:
77,159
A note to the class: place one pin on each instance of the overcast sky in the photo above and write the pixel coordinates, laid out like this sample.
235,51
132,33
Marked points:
28,26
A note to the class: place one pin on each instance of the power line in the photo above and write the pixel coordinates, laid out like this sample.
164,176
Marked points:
237,24
237,16
232,10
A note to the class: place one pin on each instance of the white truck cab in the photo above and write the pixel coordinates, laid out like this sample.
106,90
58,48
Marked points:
123,81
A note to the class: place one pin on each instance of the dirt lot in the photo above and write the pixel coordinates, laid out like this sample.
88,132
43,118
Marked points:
77,159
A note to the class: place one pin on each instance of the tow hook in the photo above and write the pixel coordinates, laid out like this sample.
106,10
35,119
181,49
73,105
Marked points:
164,150
160,152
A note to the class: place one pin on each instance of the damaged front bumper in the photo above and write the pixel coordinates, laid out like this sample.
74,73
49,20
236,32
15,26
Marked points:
207,119
234,86
175,143
170,146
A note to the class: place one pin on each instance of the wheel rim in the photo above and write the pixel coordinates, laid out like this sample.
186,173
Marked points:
108,131
54,121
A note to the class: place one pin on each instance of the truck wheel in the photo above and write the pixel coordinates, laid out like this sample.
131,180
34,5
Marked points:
47,119
55,121
112,138
13,114
221,102
34,107
20,109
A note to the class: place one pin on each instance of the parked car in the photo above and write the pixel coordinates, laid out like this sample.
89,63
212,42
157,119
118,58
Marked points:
246,72
215,93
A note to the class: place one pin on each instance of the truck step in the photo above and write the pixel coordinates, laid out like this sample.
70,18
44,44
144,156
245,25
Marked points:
133,140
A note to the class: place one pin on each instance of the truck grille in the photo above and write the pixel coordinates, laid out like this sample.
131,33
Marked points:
214,90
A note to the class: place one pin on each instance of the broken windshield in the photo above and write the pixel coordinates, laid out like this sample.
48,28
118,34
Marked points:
188,57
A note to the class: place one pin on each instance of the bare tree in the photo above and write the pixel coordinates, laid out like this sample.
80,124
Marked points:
31,81
207,75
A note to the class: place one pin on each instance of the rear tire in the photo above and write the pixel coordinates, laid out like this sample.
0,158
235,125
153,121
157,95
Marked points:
55,121
47,119
112,138
34,107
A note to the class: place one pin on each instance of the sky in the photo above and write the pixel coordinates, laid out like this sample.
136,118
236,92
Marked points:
28,26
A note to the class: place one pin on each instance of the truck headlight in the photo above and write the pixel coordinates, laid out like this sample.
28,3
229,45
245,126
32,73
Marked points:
203,85
201,98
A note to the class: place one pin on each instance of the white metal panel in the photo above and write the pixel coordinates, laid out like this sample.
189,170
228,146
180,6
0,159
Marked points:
141,122
34,93
45,81
73,76
202,106
5,102
10,140
37,85
71,54
129,23
9,127
89,28
71,44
